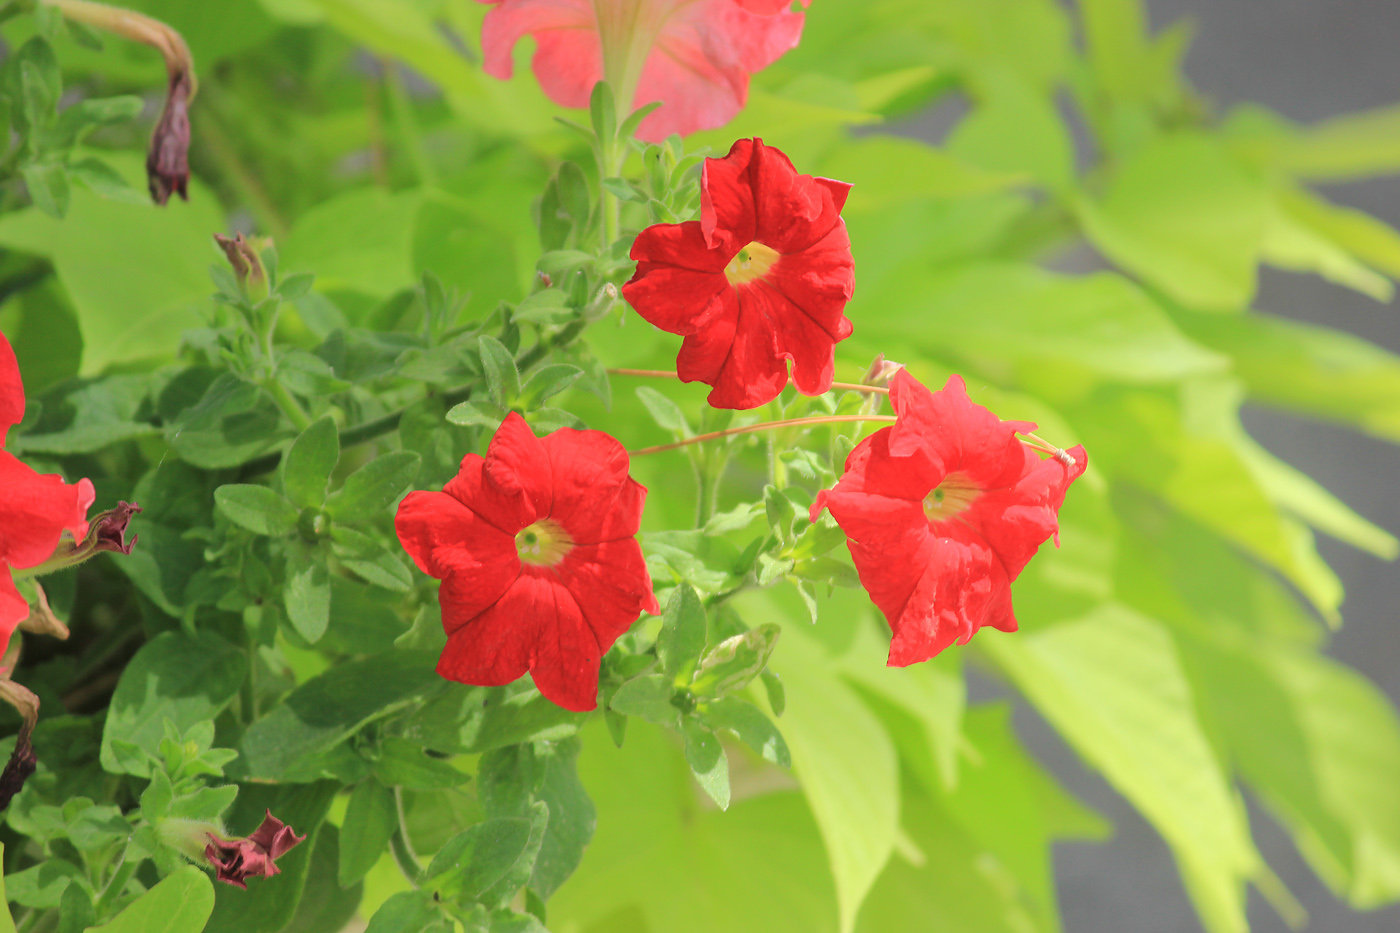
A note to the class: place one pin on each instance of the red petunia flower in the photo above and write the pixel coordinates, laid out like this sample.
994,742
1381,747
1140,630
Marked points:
535,544
255,856
35,508
761,278
942,511
693,55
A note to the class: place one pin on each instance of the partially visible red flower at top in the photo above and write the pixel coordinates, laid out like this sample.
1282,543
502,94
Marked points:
942,511
35,509
237,860
535,544
761,278
695,56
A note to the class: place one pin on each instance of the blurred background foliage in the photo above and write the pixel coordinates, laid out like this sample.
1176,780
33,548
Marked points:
1175,640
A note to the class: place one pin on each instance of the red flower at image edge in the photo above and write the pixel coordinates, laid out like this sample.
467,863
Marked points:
761,278
693,55
35,508
942,511
535,544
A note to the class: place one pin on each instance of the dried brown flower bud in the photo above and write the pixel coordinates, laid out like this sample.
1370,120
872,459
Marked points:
254,856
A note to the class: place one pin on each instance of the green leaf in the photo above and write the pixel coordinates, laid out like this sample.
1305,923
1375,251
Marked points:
233,422
682,636
649,697
479,858
403,764
469,720
572,819
325,906
327,709
103,180
371,560
502,378
1354,145
731,664
309,462
1007,311
175,676
307,591
105,252
409,912
374,486
891,170
550,306
1289,243
181,903
370,819
1112,685
1015,129
1186,218
750,725
845,762
707,761
547,382
295,286
256,508
48,187
7,922
664,412
358,240
1310,369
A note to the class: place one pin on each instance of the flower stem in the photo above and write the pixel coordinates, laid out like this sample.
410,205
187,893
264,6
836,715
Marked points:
763,426
669,374
402,849
289,405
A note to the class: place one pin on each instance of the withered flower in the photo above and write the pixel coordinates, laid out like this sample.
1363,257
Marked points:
253,856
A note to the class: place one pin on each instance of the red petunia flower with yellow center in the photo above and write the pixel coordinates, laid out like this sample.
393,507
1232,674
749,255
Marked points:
761,278
942,510
695,56
35,508
536,546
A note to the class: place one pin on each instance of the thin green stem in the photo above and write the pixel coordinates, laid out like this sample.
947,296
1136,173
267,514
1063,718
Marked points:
115,886
762,426
289,405
399,844
212,139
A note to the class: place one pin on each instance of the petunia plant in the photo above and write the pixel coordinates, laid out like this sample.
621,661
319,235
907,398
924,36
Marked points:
556,462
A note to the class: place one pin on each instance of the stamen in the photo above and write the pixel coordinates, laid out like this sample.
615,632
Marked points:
545,543
751,263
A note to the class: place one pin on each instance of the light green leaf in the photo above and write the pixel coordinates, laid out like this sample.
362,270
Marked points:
181,903
256,508
183,678
1016,130
7,922
1310,369
707,760
1111,683
845,763
1188,220
997,311
1370,240
374,486
649,697
1355,145
359,240
308,463
1291,244
888,170
682,636
137,274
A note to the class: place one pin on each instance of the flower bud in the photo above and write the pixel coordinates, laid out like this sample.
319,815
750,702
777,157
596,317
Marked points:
880,372
22,760
247,266
106,532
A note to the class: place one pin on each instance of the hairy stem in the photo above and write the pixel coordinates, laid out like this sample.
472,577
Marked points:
762,426
670,374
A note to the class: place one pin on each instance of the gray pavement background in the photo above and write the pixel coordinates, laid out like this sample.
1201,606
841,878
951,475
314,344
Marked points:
1308,60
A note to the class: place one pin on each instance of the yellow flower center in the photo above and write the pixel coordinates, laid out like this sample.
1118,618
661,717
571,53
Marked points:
750,263
544,543
954,495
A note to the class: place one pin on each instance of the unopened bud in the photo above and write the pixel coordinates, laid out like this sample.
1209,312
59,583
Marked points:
247,266
602,302
881,371
106,532
22,760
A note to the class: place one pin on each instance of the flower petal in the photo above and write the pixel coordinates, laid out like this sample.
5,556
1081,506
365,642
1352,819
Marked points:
568,654
495,647
737,353
14,608
11,390
957,435
35,510
568,54
511,486
594,498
